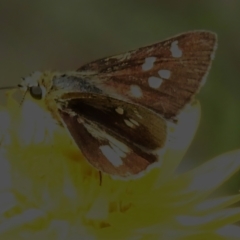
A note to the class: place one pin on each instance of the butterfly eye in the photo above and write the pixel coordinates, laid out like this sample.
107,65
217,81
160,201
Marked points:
36,92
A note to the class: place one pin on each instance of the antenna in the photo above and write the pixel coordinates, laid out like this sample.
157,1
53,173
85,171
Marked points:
14,87
10,87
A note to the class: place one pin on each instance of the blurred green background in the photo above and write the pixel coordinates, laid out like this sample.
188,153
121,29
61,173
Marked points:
62,35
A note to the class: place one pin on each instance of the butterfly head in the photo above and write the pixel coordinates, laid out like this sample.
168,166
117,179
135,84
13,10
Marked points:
37,84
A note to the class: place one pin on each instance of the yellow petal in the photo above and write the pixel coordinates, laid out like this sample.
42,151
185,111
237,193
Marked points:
230,232
182,136
204,179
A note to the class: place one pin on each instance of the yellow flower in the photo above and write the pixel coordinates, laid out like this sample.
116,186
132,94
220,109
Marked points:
49,191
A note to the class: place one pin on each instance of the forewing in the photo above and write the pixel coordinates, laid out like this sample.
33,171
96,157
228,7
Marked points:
116,137
163,77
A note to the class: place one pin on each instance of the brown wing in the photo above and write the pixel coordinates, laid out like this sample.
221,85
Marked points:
162,77
114,136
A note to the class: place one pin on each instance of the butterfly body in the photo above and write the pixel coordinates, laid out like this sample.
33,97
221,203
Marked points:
118,109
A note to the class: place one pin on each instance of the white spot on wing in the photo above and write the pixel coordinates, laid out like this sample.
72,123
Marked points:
175,50
134,121
137,114
117,148
148,64
128,123
154,82
121,146
131,123
119,151
119,110
136,91
111,155
164,73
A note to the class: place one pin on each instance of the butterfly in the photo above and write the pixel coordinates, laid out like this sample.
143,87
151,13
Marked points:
117,109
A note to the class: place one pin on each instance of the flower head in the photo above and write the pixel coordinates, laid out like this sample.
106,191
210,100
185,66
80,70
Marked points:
49,191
